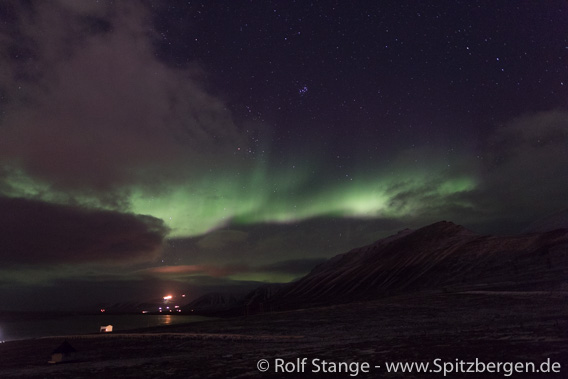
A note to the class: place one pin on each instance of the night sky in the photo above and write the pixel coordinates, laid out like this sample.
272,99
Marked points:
154,147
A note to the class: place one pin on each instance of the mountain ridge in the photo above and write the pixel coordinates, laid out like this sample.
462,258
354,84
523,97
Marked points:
440,256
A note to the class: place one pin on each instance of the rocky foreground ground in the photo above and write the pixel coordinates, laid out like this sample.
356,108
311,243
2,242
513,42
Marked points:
489,326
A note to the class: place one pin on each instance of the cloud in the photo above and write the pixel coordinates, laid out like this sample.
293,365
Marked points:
88,7
294,267
517,175
222,239
526,166
76,293
36,233
93,111
190,270
268,243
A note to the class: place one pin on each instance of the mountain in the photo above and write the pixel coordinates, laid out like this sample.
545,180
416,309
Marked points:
215,303
130,306
441,256
231,304
262,293
558,220
258,300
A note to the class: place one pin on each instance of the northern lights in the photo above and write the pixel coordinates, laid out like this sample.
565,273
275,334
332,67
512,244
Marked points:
209,146
216,200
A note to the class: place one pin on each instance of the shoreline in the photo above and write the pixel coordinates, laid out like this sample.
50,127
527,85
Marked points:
87,324
202,336
418,327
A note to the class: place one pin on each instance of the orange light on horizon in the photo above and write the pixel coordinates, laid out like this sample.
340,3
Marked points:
167,297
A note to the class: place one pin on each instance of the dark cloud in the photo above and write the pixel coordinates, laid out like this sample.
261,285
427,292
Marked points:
526,167
222,239
280,248
517,176
94,112
183,271
90,293
35,233
295,266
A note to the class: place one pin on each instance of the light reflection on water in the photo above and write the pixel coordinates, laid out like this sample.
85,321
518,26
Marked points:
85,324
167,319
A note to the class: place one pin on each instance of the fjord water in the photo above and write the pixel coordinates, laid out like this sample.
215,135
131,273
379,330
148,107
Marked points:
84,324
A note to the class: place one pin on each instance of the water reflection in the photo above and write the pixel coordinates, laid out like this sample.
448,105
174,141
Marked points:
167,320
65,325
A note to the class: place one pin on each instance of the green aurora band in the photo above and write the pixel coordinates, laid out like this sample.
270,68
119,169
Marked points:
272,196
215,201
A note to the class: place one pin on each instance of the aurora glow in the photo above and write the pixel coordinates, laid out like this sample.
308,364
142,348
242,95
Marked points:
217,201
202,146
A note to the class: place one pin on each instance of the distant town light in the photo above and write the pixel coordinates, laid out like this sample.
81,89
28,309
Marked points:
103,310
167,297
